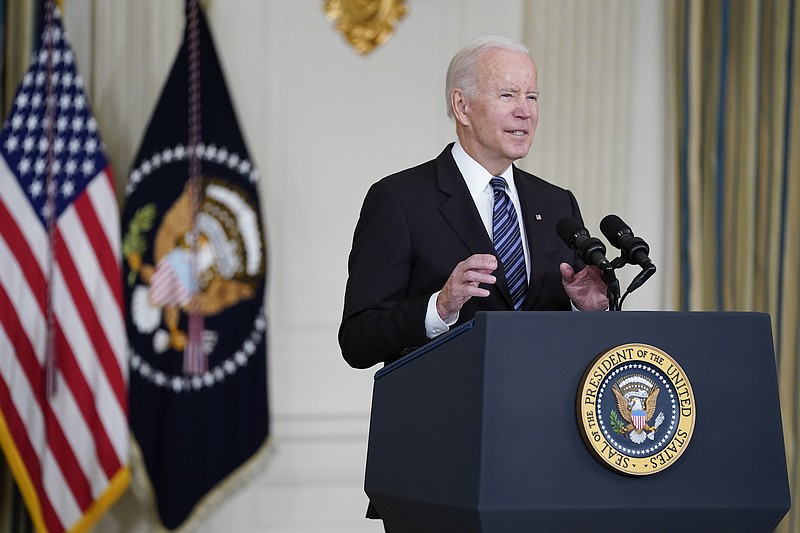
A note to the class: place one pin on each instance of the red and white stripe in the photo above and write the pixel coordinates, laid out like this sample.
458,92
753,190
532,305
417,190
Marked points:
166,287
639,419
68,452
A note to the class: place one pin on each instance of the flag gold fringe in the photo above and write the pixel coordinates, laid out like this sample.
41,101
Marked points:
142,487
117,486
21,476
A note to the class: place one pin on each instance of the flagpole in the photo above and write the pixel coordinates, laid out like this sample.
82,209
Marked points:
51,356
195,360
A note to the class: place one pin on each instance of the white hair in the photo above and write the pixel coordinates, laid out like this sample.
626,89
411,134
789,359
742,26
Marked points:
463,72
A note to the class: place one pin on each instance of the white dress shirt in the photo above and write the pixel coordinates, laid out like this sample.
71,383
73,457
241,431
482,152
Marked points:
477,179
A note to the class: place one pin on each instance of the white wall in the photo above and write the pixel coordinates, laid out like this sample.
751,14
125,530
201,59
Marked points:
322,124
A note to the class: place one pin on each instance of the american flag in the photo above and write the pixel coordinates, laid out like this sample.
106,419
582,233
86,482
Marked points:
61,304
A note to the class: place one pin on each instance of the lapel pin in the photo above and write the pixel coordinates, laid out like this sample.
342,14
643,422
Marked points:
538,216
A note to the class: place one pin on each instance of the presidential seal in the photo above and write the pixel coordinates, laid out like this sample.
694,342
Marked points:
636,409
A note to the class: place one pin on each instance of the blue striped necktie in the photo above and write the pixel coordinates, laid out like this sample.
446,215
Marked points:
508,242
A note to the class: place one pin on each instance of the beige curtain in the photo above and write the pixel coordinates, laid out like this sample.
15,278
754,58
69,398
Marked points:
19,20
19,26
735,99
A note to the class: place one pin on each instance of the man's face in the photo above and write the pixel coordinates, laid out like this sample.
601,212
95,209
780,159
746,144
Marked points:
500,119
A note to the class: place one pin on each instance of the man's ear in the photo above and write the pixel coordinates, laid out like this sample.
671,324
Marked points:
460,107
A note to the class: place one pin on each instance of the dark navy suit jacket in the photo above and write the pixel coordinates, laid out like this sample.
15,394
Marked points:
414,228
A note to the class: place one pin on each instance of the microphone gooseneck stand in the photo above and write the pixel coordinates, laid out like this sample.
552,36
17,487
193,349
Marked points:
614,300
612,287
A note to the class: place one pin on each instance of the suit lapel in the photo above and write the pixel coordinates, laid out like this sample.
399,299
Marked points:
460,212
533,213
458,208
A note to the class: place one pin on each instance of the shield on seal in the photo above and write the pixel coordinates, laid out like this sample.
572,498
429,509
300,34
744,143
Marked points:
639,419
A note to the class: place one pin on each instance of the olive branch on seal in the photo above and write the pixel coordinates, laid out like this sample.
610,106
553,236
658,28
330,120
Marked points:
134,243
616,423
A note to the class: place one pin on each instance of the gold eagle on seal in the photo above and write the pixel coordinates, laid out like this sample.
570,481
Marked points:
636,400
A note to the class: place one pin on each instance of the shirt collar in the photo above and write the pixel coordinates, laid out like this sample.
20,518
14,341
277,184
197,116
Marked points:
477,177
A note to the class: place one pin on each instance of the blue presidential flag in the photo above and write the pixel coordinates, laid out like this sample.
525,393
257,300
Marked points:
194,274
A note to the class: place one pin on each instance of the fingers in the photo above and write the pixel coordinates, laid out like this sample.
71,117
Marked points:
471,272
591,273
486,262
464,282
567,272
586,288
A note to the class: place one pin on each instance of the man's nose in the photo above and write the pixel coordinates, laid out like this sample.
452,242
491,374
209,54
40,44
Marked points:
524,107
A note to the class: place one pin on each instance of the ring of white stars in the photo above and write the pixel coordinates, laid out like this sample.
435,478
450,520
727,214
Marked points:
229,366
180,152
217,374
673,419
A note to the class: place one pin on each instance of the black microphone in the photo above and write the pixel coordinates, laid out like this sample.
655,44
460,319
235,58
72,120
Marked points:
590,249
634,250
592,252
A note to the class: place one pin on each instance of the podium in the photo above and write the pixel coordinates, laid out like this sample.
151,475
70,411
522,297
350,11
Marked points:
478,430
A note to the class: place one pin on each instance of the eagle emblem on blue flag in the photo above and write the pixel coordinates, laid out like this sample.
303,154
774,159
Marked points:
211,265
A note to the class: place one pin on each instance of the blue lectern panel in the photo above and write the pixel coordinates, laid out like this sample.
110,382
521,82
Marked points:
479,432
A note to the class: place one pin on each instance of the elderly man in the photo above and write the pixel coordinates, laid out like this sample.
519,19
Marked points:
467,231
423,257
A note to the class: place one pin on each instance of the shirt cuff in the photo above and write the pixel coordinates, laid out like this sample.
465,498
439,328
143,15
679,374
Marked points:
434,325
